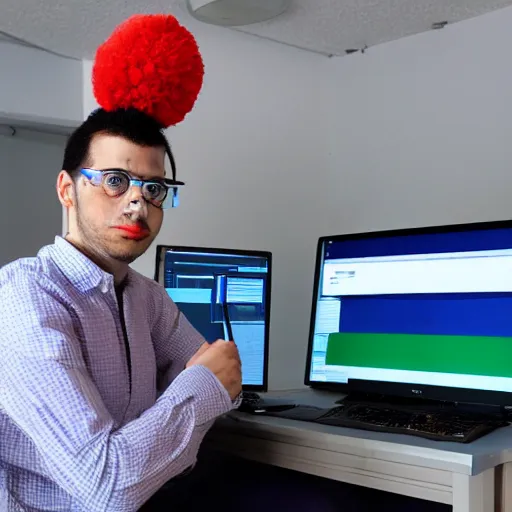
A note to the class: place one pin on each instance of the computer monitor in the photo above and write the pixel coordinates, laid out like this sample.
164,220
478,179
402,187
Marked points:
416,313
222,289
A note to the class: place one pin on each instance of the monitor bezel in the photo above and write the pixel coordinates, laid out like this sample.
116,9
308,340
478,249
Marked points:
398,389
162,248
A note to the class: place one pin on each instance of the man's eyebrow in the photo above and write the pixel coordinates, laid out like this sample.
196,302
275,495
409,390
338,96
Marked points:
138,176
152,178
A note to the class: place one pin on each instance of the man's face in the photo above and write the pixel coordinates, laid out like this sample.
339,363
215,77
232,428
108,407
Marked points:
103,222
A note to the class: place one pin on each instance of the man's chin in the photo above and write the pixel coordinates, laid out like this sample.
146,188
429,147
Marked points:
134,249
125,257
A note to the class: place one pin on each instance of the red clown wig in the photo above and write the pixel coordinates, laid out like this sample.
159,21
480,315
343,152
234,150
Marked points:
150,63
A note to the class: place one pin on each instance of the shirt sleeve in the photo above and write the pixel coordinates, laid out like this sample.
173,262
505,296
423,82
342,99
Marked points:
176,341
46,390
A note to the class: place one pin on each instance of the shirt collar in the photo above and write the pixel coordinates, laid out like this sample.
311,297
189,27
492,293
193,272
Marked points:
83,273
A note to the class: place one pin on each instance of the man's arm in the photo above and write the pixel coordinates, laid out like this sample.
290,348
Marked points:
47,392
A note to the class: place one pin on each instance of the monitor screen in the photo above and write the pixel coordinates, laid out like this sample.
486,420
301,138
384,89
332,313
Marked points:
203,282
425,312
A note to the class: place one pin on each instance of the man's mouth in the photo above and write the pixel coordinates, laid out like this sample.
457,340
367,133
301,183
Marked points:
134,232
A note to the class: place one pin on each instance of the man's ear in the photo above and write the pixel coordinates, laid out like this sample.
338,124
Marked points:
66,189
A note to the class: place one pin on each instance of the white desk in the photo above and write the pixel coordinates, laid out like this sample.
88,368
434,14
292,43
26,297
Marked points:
476,477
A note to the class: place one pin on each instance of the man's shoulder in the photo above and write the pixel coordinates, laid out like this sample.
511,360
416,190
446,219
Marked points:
23,270
34,309
25,275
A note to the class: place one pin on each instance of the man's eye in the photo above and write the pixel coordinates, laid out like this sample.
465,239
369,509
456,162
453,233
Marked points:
114,181
155,190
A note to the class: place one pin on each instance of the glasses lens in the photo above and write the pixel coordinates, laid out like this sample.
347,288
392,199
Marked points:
154,192
115,183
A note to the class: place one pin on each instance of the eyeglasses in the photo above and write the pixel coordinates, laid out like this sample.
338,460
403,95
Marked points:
116,182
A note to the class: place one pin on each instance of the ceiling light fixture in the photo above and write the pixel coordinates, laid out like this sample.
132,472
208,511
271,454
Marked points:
236,13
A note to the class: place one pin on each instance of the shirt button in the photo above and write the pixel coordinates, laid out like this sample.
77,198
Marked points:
104,287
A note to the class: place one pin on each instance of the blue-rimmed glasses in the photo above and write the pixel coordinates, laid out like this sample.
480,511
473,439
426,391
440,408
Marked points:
160,192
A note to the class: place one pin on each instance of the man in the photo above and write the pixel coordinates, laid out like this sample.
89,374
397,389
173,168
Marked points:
85,340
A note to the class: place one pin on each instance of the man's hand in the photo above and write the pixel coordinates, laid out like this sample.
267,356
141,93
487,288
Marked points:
205,346
221,358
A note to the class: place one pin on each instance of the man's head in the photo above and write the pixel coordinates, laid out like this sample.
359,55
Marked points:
112,219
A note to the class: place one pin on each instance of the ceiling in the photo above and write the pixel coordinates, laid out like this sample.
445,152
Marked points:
76,27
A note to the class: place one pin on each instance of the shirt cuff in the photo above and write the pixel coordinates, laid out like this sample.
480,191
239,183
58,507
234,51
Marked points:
208,395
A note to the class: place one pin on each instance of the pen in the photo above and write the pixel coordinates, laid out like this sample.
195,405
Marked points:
228,321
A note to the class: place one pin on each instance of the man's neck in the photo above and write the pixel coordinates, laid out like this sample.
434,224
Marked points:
118,269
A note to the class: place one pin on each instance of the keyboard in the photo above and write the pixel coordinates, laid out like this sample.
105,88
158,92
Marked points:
444,425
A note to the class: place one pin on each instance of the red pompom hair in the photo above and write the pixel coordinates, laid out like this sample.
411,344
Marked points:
151,63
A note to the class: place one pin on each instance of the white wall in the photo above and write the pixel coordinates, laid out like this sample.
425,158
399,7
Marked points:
421,129
39,87
285,146
30,213
42,91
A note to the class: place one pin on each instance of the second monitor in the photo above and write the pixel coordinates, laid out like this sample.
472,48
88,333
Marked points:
204,281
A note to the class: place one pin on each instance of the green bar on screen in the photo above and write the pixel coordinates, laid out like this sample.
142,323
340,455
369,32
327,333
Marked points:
468,355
